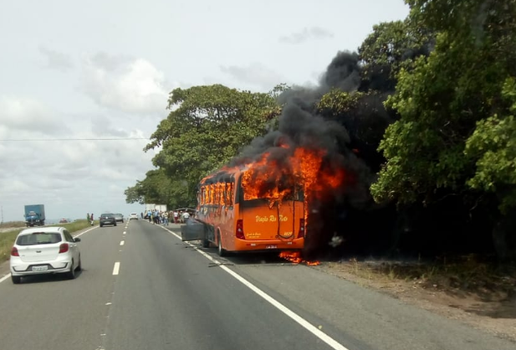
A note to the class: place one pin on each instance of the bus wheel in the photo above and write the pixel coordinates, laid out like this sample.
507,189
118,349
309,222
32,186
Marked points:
220,250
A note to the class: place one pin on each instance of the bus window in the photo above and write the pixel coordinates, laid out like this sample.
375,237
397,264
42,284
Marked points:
220,190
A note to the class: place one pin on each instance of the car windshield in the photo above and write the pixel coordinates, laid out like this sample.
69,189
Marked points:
39,238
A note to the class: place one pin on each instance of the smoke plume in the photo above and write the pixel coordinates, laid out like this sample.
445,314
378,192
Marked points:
347,144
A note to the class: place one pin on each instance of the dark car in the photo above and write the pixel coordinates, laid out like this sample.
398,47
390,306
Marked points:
119,217
107,219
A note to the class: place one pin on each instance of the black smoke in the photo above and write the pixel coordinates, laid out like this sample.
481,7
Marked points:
350,141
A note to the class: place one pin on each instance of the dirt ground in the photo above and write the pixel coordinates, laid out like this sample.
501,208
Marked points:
473,296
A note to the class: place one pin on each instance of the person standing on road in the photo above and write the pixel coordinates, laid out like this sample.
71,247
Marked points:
186,216
87,216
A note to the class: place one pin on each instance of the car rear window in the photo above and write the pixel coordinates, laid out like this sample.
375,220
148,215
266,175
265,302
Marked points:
39,238
107,215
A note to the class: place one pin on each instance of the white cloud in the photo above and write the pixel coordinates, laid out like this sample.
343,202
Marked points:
69,176
306,34
56,60
20,114
254,74
125,84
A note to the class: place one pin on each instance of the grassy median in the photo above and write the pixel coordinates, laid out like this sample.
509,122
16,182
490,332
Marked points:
7,238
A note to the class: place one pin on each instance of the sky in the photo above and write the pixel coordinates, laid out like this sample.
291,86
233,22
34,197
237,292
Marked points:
103,69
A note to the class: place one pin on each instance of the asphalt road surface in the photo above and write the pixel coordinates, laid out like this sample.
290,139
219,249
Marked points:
142,288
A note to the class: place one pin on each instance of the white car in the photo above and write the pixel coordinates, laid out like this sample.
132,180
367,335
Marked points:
133,216
44,250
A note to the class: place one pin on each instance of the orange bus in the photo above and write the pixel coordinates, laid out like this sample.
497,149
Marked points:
232,217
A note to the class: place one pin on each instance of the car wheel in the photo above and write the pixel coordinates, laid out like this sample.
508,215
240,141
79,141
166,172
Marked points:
71,273
16,279
101,225
220,250
79,267
115,223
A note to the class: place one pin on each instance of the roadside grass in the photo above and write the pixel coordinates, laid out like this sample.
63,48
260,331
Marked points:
7,238
464,275
10,224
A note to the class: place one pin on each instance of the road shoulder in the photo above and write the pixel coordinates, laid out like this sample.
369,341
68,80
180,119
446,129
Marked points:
497,316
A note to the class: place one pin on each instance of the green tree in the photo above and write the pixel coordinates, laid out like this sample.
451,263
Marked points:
389,48
159,188
451,99
493,147
207,126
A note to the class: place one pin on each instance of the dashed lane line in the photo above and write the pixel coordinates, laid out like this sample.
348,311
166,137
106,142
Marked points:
116,268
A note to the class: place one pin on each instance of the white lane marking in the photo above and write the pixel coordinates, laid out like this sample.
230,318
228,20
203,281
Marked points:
5,277
80,234
125,232
301,321
122,243
116,268
108,303
91,229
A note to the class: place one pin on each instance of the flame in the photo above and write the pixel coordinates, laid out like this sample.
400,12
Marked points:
287,172
292,170
296,258
302,170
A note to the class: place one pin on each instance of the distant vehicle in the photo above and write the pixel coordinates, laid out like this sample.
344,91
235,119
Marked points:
63,221
158,207
45,250
107,219
190,211
119,217
34,215
133,216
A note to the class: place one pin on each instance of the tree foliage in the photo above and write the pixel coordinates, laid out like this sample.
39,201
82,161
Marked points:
493,146
207,126
447,98
159,188
389,48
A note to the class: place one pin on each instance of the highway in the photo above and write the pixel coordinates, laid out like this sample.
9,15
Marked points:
142,288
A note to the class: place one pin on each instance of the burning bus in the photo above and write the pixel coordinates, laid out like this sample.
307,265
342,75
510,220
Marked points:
239,213
262,203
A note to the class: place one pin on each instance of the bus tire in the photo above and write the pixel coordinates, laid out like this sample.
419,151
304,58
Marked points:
221,251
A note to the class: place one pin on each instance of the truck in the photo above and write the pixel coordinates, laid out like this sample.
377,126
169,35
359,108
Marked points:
159,207
34,215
